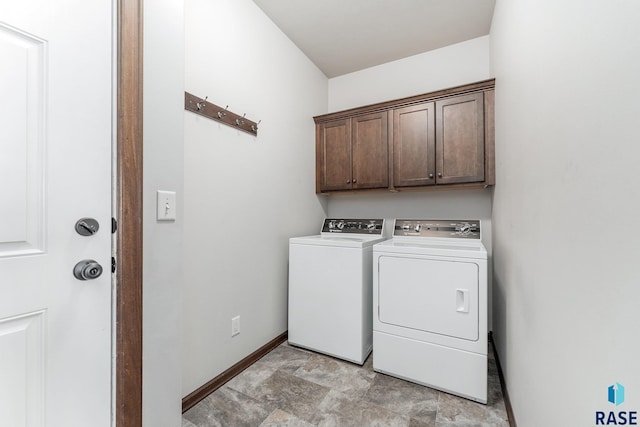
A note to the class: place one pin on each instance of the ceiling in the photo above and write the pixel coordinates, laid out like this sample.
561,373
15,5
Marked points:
342,36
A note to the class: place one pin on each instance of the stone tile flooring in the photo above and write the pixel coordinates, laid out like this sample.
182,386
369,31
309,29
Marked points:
298,388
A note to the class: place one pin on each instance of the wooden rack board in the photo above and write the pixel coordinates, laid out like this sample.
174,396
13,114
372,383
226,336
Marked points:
219,114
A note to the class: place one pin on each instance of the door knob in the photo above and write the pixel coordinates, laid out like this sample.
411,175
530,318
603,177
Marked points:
87,269
87,226
430,176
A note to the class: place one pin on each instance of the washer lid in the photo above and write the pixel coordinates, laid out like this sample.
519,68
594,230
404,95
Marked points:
346,241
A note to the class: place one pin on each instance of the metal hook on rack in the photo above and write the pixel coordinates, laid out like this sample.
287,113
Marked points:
200,105
240,122
221,114
255,127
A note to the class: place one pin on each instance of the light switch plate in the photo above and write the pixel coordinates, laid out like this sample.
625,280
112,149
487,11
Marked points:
166,210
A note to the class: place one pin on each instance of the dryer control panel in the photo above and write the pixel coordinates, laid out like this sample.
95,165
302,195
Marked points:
454,228
353,226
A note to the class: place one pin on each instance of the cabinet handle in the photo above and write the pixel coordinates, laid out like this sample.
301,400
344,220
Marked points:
348,181
439,174
430,176
354,181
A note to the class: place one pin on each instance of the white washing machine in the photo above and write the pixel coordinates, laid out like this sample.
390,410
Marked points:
330,288
430,306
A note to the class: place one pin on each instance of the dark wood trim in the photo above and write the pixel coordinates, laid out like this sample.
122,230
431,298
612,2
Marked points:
447,187
197,395
391,123
503,385
319,159
405,102
490,136
128,396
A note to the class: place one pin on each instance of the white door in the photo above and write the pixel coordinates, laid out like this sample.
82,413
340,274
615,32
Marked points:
55,168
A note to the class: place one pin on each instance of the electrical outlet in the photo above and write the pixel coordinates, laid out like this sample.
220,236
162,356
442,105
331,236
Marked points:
235,326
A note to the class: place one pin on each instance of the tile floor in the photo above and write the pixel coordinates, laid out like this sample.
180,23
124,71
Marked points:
294,387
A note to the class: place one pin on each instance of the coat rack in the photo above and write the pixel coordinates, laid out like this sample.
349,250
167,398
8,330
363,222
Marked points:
219,114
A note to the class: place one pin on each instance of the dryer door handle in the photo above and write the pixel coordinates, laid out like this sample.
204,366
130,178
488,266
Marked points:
462,300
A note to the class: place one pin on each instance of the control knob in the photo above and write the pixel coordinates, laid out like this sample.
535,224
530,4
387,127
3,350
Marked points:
465,228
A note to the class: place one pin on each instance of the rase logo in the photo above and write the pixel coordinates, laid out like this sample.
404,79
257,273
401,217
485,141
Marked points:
615,396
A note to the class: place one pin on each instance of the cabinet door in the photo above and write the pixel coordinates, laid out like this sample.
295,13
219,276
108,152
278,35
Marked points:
460,139
333,156
370,151
414,144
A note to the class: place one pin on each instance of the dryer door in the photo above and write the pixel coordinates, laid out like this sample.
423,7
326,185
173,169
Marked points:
431,295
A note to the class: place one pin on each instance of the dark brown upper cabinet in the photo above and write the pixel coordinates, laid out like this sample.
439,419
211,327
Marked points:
460,139
369,145
352,153
440,139
414,146
333,156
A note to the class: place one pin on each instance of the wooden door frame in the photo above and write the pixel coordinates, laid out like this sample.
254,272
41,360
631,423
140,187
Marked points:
128,364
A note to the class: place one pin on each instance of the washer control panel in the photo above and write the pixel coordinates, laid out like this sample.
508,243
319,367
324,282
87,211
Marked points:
454,228
353,226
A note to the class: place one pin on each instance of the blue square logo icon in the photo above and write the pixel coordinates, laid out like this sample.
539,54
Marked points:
616,394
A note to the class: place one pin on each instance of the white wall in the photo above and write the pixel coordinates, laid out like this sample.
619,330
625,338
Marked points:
454,65
566,201
163,170
457,204
244,195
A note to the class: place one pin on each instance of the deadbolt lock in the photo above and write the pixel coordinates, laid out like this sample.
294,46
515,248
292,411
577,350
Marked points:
87,226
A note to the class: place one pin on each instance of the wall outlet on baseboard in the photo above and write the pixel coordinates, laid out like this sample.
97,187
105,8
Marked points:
235,326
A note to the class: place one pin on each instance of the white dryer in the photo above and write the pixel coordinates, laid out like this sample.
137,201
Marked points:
330,288
430,306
